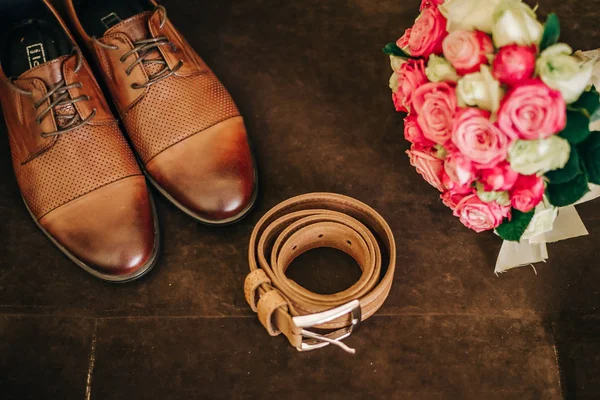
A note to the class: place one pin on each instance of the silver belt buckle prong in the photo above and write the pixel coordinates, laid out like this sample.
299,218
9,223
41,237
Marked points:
317,341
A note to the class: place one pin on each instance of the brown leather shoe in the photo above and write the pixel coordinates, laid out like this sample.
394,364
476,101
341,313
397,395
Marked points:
183,124
77,175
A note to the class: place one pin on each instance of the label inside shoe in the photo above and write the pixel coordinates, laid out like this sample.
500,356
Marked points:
110,20
36,55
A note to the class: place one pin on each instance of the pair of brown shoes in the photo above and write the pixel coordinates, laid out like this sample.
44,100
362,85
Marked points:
77,174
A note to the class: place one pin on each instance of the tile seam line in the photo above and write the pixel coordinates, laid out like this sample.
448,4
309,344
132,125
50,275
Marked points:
557,356
91,362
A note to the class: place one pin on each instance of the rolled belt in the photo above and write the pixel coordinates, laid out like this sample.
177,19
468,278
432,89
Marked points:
307,222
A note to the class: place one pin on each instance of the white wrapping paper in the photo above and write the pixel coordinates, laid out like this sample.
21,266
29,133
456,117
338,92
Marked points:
531,250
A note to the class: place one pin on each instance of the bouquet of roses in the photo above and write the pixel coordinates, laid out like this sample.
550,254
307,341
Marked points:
499,112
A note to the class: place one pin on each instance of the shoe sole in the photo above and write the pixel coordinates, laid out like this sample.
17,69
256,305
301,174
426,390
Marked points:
110,278
224,222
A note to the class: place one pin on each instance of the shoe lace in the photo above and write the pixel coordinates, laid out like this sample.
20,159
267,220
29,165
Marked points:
144,48
61,98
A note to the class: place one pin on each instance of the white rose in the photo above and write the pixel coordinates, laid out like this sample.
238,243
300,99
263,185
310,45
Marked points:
466,15
394,84
515,22
396,62
564,72
501,198
529,157
592,56
480,90
542,222
440,70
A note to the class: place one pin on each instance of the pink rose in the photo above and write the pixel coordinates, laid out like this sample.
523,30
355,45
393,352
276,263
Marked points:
453,196
455,187
514,64
479,139
398,103
430,3
480,216
466,51
426,35
430,167
527,193
435,104
532,111
451,199
499,178
459,168
403,41
410,76
413,132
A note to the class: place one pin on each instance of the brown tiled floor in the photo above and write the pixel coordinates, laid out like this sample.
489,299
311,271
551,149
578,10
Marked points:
310,80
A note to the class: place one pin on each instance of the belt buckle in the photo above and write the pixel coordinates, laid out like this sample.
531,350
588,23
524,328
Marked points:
313,341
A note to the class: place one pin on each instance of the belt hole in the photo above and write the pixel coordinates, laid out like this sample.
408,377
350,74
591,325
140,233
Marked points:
320,236
295,247
349,242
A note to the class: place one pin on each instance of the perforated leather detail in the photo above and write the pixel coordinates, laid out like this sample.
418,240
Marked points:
175,109
152,69
80,161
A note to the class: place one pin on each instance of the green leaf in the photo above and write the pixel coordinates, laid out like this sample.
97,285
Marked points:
565,194
551,32
588,103
590,155
569,172
392,49
577,129
515,228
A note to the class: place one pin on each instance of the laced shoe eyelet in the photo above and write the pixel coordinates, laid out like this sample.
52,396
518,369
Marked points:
57,96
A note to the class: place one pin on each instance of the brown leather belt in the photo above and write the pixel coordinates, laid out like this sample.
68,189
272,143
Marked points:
307,222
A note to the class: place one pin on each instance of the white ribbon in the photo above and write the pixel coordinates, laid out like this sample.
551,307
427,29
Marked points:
549,223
